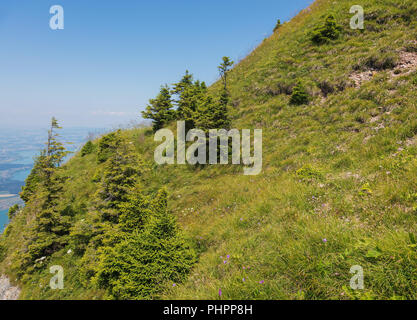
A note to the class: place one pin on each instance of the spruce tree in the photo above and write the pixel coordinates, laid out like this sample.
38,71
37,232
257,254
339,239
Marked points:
190,95
224,70
107,146
162,223
118,180
45,164
13,211
33,179
299,95
183,84
139,265
54,153
160,110
87,149
212,114
278,25
133,212
50,228
330,30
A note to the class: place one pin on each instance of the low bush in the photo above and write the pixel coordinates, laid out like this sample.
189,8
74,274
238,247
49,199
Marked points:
326,88
379,60
308,173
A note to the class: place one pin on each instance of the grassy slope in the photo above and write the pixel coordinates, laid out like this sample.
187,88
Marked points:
360,141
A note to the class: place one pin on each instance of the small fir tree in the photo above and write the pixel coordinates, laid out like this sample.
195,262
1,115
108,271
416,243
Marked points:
330,30
299,95
160,110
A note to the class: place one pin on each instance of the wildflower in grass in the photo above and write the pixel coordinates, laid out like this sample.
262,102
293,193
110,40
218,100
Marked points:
174,285
261,282
225,261
243,268
243,279
324,240
228,256
220,292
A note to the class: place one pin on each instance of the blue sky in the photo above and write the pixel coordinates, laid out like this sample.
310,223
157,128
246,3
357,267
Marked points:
112,56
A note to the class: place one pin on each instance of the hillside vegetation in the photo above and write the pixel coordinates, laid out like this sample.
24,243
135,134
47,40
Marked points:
338,187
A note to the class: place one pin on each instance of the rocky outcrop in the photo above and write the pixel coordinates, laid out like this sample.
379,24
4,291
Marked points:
7,291
407,63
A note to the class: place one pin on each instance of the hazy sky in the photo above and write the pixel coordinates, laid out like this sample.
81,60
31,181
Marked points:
113,55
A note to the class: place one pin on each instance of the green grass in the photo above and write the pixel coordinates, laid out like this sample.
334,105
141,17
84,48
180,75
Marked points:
341,168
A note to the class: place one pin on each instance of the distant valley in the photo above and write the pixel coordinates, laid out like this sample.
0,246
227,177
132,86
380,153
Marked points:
17,150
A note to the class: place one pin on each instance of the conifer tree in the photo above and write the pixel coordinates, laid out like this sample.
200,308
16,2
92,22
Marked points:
107,146
330,30
45,164
138,266
13,210
32,180
190,94
299,95
224,70
161,224
54,153
119,179
133,213
212,115
183,84
87,148
50,229
160,110
278,25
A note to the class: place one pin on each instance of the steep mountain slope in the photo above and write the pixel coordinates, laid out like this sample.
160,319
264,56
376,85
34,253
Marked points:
339,180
